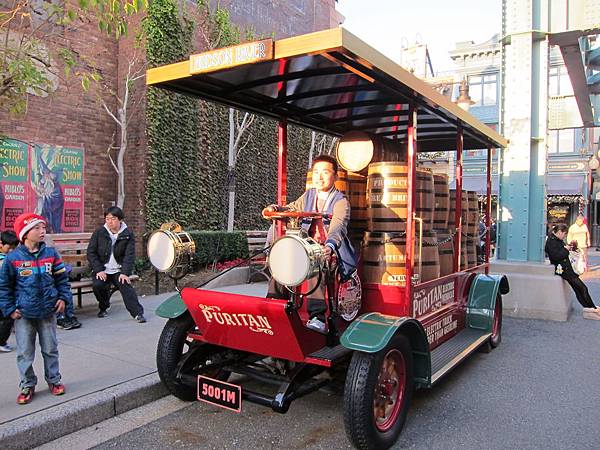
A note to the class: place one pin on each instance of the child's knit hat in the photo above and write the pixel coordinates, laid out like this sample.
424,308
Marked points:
26,222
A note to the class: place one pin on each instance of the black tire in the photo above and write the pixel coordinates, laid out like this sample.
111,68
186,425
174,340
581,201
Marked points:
173,346
364,429
496,337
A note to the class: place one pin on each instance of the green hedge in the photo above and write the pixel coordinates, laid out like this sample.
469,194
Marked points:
218,246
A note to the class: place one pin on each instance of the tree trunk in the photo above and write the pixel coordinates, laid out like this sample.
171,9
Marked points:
231,171
121,158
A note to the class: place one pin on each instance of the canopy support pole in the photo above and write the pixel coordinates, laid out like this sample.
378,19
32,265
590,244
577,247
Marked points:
488,210
458,197
282,149
410,203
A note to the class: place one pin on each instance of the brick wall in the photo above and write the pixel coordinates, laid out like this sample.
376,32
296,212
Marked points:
71,117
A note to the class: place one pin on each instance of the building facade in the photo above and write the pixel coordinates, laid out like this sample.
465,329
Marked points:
568,178
72,117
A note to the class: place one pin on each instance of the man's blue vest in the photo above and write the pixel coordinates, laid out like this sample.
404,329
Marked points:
347,258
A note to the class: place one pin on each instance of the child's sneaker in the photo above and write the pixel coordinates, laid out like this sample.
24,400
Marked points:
25,395
75,323
70,324
6,348
56,389
140,318
317,325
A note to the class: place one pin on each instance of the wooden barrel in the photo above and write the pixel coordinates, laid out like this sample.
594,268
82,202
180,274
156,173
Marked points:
387,196
464,253
357,195
473,228
384,259
471,252
452,209
442,201
425,198
341,184
430,259
446,252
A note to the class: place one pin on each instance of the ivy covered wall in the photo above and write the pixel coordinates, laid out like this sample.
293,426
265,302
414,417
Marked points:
188,144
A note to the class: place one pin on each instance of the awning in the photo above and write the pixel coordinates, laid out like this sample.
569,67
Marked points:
478,184
564,184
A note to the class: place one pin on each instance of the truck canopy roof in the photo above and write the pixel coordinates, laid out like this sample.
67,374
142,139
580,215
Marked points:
328,81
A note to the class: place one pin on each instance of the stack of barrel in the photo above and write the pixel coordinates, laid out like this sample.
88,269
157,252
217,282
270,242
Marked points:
470,226
379,216
443,222
384,243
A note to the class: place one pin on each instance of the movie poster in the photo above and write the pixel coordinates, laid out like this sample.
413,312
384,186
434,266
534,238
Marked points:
56,186
14,157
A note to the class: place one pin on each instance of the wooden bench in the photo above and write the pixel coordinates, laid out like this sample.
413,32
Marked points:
258,266
73,251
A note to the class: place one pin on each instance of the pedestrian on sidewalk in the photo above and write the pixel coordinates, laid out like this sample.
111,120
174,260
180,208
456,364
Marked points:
580,233
558,253
33,287
111,253
8,242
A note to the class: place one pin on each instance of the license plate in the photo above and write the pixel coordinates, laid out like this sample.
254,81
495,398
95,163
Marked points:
220,393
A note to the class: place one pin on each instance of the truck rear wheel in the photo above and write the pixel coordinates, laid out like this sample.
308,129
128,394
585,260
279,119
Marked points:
177,355
377,395
496,337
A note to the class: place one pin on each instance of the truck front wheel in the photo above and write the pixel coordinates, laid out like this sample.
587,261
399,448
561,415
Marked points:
377,394
178,356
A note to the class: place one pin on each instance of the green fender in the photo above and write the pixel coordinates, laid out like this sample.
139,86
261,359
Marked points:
171,308
482,300
371,332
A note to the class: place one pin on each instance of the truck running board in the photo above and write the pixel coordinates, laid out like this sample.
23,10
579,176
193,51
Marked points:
445,357
328,355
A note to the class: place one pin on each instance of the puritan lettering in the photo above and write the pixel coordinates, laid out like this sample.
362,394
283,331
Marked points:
256,323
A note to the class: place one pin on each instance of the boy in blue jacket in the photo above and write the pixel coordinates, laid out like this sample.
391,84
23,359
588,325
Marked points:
34,286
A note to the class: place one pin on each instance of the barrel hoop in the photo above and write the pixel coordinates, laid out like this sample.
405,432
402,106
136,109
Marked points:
383,263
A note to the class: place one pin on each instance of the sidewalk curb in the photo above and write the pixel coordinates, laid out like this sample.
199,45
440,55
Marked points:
57,421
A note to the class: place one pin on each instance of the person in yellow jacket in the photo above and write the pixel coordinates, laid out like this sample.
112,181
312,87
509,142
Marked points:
580,233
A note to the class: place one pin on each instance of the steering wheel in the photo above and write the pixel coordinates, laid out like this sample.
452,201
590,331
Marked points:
282,215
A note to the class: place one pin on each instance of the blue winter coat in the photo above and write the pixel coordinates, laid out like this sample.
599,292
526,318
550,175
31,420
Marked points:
33,282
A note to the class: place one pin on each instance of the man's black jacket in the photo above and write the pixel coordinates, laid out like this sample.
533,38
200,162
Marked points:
99,248
558,254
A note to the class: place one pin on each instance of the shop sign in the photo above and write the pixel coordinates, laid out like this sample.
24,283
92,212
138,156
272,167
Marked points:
235,55
566,167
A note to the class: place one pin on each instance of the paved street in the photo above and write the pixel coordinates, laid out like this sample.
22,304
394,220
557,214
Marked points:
538,390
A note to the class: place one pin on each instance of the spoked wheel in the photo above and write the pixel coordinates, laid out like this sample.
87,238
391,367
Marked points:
178,355
377,395
496,337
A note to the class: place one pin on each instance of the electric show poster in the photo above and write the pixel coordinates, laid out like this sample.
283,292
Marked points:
14,159
56,186
44,179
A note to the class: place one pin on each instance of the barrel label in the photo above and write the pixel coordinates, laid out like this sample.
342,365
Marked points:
431,299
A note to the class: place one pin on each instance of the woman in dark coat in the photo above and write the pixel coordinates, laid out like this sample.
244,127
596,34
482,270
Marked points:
558,253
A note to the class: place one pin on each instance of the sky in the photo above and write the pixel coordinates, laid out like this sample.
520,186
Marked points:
387,24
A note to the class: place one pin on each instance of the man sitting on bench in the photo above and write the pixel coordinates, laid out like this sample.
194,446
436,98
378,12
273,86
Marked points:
111,253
